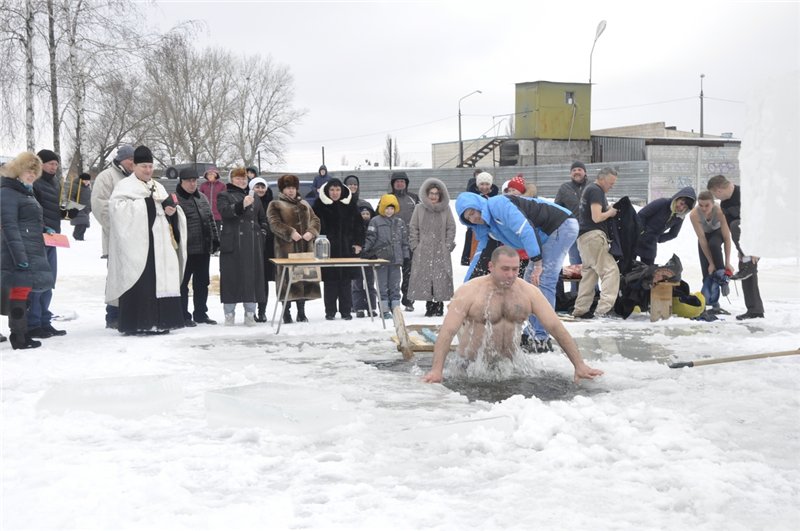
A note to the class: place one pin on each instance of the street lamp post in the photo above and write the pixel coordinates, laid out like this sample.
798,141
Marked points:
701,104
601,27
460,142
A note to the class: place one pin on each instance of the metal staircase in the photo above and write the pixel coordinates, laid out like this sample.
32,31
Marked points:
473,159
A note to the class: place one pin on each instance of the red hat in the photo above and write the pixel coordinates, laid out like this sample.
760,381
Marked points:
517,183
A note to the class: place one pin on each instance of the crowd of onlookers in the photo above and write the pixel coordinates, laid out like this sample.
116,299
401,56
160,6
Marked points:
157,243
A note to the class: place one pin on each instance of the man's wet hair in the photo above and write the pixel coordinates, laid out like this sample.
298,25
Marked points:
503,250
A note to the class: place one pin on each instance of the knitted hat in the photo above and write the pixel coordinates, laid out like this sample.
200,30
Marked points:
46,156
517,183
142,154
399,175
213,170
351,179
484,178
85,177
124,152
288,180
252,169
577,164
257,180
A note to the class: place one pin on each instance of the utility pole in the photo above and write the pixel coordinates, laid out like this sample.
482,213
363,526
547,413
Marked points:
701,104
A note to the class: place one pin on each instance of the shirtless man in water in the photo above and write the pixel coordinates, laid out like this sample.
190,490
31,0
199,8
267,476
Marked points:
504,301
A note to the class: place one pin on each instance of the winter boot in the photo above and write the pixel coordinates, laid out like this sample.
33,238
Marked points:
23,341
287,314
439,310
262,313
301,312
230,319
430,308
249,319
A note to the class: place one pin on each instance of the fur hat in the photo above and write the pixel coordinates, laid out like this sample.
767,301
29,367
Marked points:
237,172
25,161
45,155
288,180
484,178
388,200
142,154
85,177
577,164
188,173
124,152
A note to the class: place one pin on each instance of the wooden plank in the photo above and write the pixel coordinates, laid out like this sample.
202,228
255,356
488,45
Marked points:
661,301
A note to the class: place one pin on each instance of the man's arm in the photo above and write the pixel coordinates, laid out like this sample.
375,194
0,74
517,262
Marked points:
456,313
547,316
598,215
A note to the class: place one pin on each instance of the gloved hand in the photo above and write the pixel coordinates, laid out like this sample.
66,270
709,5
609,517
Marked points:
48,230
24,266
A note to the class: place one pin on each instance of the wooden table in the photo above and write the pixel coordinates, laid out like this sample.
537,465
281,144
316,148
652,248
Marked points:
288,265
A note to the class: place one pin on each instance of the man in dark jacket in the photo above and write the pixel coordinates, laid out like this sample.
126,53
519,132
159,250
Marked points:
202,241
593,243
661,221
569,196
407,201
730,197
47,190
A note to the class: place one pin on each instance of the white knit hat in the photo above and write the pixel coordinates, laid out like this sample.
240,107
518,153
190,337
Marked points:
484,177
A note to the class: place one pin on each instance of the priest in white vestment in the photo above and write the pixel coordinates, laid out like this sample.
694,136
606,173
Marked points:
146,252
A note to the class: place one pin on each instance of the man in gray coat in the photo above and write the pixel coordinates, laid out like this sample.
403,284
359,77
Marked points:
569,196
120,167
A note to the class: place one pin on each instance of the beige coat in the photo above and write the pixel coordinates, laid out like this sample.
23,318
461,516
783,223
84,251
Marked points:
432,238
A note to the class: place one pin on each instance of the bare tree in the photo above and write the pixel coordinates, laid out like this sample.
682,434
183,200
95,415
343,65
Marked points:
396,154
216,81
387,152
262,111
16,49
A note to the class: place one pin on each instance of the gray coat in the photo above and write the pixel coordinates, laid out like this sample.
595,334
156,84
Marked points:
83,195
387,238
22,241
432,239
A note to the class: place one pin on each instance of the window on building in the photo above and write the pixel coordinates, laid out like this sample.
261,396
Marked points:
569,97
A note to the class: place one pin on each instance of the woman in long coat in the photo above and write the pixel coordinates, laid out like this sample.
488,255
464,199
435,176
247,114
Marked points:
341,223
24,263
432,239
295,226
241,253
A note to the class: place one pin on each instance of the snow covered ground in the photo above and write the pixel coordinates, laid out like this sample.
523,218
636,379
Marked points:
101,431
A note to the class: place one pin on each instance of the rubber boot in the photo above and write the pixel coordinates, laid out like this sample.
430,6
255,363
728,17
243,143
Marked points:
18,319
301,312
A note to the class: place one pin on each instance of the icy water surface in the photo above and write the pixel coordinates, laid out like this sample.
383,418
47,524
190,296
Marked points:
543,385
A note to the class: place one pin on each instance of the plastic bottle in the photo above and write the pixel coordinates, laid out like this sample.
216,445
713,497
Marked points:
322,248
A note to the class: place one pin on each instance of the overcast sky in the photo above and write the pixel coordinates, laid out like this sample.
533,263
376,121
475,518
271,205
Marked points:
367,69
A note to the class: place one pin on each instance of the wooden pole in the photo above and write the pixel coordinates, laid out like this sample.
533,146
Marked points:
681,364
